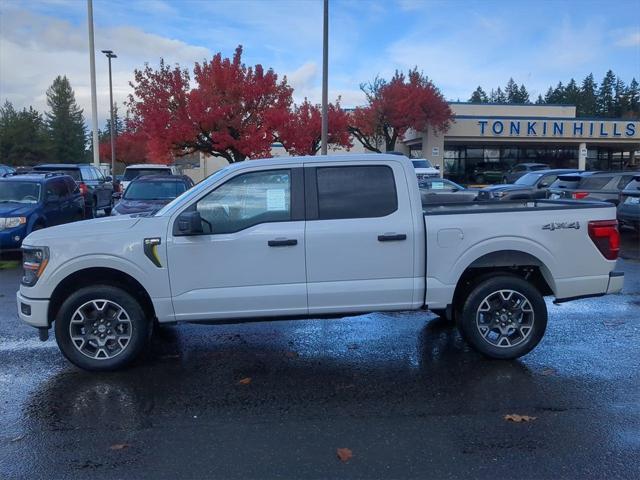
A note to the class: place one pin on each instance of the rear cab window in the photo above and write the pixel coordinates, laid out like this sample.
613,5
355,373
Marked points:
132,173
594,183
356,192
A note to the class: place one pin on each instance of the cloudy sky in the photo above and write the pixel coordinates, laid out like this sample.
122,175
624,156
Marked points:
459,44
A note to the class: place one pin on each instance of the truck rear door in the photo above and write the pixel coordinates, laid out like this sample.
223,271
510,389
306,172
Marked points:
359,237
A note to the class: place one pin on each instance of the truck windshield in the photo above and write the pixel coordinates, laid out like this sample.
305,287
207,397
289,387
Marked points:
154,190
131,173
529,179
421,163
19,192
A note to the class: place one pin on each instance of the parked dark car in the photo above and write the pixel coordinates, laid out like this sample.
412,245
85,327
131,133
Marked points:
439,190
487,172
530,185
150,193
603,186
36,200
95,187
6,170
629,207
521,169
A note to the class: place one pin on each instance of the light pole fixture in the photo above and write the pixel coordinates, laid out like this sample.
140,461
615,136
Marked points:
110,55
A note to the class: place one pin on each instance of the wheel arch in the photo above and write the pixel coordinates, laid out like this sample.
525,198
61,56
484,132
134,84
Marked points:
99,276
512,262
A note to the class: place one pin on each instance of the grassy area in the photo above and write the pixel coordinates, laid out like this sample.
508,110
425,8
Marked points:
9,264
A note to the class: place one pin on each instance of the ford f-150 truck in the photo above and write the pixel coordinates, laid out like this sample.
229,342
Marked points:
315,237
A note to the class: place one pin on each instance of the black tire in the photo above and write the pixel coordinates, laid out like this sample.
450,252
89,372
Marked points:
532,317
138,328
38,226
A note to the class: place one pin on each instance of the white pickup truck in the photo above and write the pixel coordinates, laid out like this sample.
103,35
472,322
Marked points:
315,237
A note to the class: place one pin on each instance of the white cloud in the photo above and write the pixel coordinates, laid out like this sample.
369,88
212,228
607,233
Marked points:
629,40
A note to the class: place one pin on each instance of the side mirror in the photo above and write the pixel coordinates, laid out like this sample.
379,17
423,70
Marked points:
437,167
116,195
543,185
108,178
53,198
188,223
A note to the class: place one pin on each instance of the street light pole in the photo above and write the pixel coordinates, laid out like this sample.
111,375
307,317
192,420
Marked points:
94,101
325,79
110,55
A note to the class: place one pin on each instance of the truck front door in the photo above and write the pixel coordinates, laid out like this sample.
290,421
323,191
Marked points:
359,237
249,262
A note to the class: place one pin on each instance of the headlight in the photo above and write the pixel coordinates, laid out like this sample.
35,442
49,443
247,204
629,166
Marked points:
34,261
11,222
499,194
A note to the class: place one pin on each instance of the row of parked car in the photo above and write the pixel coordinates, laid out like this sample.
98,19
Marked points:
53,194
620,188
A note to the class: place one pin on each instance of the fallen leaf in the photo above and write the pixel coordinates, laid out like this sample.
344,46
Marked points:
292,355
245,381
514,417
548,371
344,454
119,446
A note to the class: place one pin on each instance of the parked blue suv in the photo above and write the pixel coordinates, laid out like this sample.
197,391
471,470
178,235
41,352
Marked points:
32,201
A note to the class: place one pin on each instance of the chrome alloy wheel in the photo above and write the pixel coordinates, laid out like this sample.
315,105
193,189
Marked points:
505,318
100,329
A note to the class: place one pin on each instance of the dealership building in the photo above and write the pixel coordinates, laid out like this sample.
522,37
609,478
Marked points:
485,140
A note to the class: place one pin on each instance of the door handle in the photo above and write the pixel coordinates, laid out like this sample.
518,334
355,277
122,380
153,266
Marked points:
392,237
289,242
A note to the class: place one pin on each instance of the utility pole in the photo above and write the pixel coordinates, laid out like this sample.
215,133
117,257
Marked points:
110,55
325,79
94,101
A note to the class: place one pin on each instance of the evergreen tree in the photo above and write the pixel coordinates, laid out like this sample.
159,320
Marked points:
479,96
587,106
540,100
105,135
633,99
512,92
523,95
65,123
23,138
497,96
605,100
621,102
572,94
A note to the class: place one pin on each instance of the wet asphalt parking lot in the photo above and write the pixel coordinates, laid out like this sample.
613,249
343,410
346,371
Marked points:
276,400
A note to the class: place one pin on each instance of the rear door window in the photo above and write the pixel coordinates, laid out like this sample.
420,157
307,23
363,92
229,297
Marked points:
87,173
356,192
624,180
57,187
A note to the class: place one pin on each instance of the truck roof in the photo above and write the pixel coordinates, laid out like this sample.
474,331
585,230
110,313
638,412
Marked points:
349,157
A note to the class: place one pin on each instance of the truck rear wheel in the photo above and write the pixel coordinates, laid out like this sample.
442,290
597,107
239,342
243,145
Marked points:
101,327
503,317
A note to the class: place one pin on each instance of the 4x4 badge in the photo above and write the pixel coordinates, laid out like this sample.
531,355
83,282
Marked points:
561,226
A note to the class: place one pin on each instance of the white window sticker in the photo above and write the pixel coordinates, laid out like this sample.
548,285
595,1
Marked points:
276,199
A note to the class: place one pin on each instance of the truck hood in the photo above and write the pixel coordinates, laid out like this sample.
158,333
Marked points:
125,207
86,229
17,209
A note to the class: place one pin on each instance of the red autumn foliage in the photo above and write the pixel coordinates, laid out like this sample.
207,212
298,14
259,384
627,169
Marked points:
232,112
301,132
131,148
394,106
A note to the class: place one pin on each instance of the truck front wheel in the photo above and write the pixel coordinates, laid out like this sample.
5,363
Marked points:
101,327
503,317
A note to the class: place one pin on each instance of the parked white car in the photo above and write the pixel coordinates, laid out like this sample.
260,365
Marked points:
424,169
132,172
313,237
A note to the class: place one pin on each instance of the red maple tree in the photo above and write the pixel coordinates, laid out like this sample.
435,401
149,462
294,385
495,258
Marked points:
131,147
394,106
232,112
301,132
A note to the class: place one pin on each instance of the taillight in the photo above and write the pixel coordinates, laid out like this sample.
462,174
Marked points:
579,195
605,236
83,188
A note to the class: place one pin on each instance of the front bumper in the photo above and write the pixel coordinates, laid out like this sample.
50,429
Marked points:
33,312
12,238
